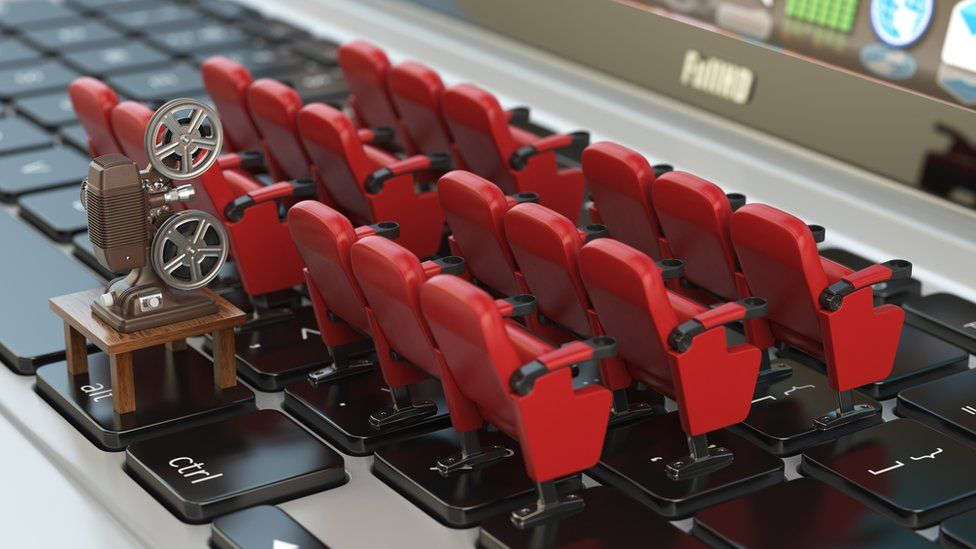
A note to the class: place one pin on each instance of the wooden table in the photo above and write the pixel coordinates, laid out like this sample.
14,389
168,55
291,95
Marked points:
81,325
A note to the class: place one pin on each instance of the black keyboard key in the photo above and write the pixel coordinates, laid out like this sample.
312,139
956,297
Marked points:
948,404
81,248
58,213
221,467
262,60
50,110
272,30
261,527
325,52
79,35
910,472
921,357
801,513
317,84
895,291
146,18
15,52
161,84
227,10
41,170
947,316
607,519
35,14
76,136
126,56
35,78
17,134
959,531
96,5
30,334
195,38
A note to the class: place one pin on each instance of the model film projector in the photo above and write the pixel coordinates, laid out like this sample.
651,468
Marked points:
134,226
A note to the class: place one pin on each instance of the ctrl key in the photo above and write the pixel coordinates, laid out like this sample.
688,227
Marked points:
218,468
261,527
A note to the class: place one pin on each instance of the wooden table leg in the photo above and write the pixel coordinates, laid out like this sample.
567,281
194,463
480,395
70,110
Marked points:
225,363
174,346
76,350
123,387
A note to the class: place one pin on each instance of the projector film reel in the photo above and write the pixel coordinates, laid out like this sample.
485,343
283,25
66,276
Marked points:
189,250
183,139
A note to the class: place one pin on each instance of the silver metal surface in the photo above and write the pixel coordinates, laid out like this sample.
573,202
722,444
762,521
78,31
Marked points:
175,129
181,241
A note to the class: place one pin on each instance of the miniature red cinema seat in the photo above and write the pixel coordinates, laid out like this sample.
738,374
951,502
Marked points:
93,102
129,121
820,307
546,246
513,159
390,276
227,83
696,214
675,346
365,68
489,379
324,238
368,184
620,182
475,211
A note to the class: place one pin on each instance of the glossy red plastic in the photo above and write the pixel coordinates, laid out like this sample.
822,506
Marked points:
416,91
780,260
475,208
712,383
93,102
324,238
779,257
345,164
263,250
365,67
620,182
560,430
390,277
487,142
696,214
129,121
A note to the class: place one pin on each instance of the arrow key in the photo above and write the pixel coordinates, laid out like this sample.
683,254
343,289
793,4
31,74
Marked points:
262,527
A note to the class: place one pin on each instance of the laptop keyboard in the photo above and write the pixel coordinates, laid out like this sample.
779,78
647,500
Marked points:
150,51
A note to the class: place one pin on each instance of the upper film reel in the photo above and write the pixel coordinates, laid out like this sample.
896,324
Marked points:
183,139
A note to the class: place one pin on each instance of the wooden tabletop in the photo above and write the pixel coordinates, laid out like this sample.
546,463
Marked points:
75,309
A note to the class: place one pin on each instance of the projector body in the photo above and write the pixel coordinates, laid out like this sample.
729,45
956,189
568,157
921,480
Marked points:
134,226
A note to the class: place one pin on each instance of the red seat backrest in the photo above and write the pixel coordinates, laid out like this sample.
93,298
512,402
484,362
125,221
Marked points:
620,182
391,277
475,210
324,238
416,91
547,247
476,346
695,215
93,102
781,263
634,307
342,161
480,129
560,430
365,67
227,82
274,108
129,120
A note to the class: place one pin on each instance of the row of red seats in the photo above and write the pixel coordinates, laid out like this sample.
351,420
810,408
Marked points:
667,335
